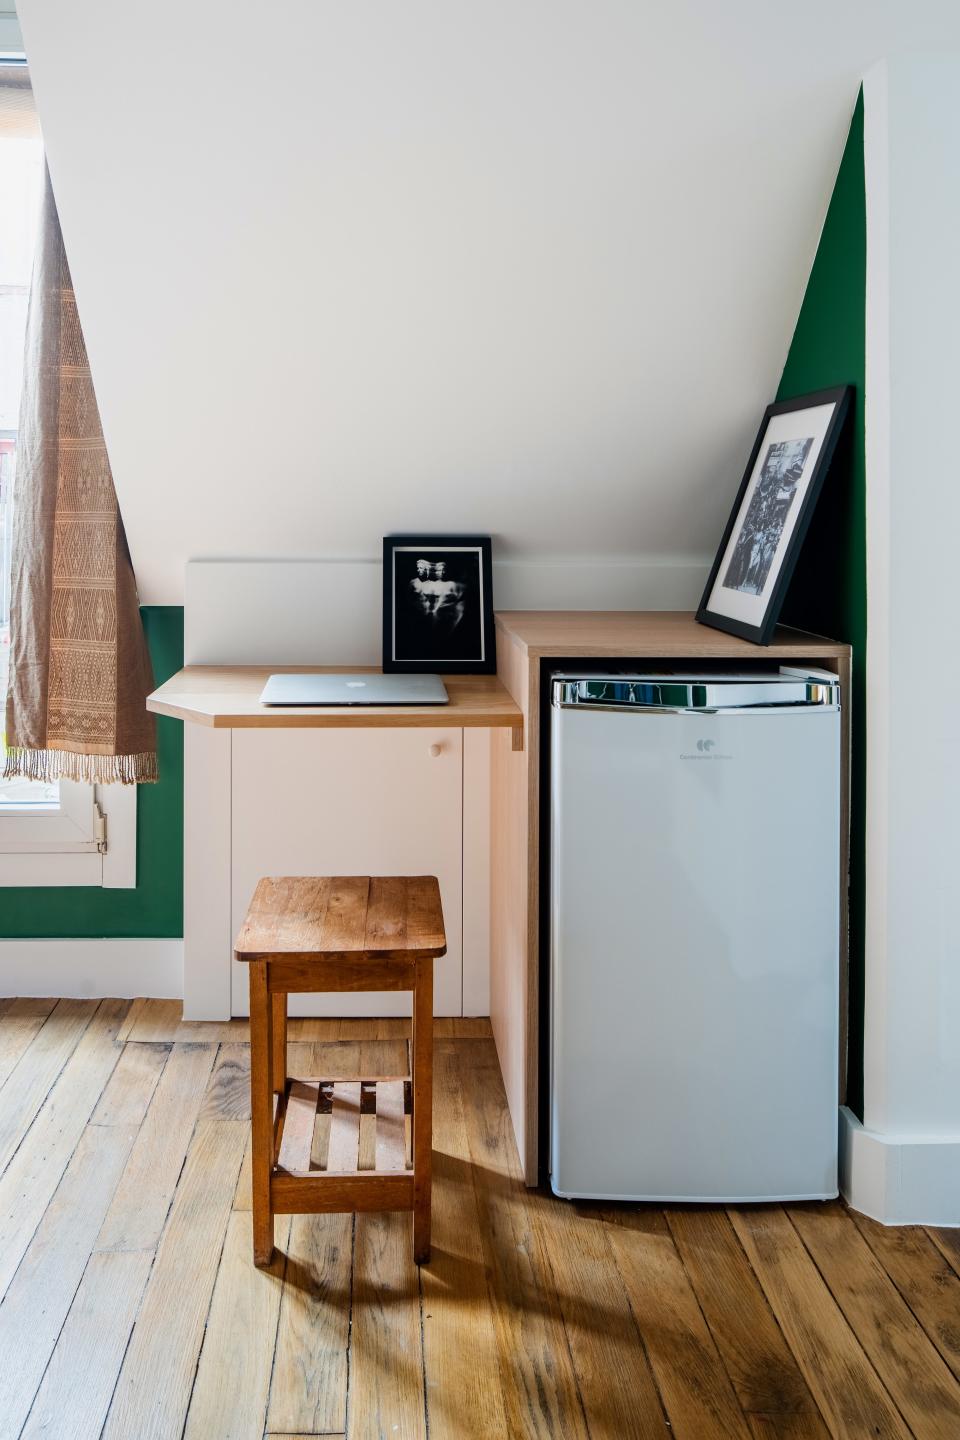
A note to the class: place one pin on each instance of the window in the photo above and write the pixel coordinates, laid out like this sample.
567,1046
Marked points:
50,834
21,174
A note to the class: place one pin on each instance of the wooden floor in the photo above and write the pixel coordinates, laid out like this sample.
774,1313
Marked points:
130,1307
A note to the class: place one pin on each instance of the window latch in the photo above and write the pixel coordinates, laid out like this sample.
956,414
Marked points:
99,828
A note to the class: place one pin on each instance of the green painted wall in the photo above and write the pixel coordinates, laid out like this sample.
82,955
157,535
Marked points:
155,907
829,592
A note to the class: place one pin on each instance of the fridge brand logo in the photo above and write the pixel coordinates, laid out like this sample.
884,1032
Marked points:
706,750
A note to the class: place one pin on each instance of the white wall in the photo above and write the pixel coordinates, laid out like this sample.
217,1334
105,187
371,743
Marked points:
913,1033
905,1162
525,268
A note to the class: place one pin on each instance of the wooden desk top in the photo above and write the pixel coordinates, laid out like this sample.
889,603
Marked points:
227,697
647,633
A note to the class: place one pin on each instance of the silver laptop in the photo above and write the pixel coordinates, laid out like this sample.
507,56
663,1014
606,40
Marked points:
350,689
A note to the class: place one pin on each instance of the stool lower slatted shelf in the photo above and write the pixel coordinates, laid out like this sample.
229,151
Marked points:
343,1126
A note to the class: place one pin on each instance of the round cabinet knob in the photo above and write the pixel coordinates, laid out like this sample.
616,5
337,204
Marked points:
435,750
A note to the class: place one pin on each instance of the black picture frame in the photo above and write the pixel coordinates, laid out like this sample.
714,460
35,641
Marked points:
760,627
422,631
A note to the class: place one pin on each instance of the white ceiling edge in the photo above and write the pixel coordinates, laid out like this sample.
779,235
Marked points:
526,271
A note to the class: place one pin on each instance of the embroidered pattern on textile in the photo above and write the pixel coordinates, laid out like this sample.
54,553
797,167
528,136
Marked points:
80,672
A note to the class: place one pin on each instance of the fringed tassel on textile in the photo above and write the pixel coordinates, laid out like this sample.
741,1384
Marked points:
50,765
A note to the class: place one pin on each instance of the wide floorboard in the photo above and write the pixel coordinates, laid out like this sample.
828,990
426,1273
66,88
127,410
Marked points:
130,1307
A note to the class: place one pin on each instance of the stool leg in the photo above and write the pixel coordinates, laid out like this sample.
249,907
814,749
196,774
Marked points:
422,1108
279,1043
261,1108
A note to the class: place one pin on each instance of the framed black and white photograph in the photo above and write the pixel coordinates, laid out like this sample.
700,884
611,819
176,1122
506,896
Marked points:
438,605
772,513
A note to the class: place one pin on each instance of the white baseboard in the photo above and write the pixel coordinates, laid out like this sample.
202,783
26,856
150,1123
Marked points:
899,1180
91,969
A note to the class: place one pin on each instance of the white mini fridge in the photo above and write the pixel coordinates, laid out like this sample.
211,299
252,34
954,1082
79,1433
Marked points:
694,936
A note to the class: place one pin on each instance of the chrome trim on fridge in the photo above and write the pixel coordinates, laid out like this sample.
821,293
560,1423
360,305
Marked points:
695,709
677,697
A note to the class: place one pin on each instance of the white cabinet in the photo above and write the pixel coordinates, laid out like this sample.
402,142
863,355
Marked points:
351,802
334,802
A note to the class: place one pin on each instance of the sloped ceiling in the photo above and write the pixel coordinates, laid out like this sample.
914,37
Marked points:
521,267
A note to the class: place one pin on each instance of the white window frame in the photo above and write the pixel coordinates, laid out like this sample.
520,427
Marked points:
89,840
70,827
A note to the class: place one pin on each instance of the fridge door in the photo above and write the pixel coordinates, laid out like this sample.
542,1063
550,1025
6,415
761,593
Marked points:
694,953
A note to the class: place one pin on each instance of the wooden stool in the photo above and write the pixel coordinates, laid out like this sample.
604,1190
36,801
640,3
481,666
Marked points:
344,933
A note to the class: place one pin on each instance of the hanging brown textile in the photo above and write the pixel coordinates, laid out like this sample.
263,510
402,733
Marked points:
79,668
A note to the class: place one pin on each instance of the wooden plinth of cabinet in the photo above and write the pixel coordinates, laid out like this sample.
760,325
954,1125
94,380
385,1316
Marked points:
528,643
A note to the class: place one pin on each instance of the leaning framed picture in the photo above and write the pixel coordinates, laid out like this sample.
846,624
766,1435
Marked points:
438,605
774,505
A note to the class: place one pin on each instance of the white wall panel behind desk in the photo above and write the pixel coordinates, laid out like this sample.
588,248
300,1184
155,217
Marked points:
329,612
282,612
351,802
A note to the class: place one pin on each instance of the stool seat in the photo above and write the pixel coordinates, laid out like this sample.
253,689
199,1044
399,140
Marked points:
314,918
311,934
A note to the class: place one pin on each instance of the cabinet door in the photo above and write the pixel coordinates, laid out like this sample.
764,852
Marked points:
351,802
